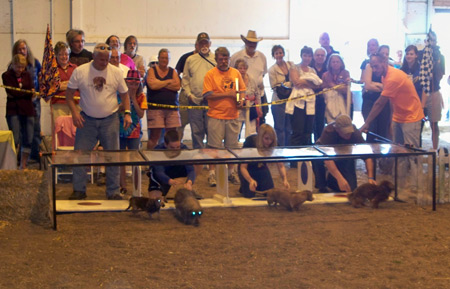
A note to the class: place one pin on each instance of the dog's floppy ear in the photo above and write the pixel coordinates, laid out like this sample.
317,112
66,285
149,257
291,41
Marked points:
388,185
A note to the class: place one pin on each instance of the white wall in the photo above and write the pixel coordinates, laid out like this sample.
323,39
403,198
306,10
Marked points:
174,24
29,22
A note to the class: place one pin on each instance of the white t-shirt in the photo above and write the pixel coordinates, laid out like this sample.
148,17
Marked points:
257,66
98,89
124,69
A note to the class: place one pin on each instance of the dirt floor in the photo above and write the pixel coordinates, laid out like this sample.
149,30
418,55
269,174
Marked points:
400,245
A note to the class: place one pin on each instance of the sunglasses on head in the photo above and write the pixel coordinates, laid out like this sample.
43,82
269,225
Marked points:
104,47
133,80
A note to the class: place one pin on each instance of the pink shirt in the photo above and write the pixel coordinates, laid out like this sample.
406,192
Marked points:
127,61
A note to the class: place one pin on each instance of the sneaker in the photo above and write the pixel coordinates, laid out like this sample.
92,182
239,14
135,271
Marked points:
234,178
115,197
212,180
77,196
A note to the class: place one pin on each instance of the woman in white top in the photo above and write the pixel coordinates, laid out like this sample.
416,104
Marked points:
304,80
279,74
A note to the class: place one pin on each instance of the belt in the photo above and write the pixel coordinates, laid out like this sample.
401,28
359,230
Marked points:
98,118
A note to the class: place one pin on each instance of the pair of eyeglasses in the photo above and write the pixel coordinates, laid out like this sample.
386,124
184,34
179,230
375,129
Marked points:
103,47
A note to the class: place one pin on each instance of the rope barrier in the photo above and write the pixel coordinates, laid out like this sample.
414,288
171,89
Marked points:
19,89
276,102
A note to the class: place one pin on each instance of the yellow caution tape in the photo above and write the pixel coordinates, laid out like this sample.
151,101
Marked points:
34,92
19,89
276,102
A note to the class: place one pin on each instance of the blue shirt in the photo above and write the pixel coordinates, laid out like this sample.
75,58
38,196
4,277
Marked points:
162,173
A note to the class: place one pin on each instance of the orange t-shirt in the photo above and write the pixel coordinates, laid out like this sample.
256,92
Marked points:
403,96
222,81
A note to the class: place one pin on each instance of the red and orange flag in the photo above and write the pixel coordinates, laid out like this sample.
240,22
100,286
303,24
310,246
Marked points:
49,80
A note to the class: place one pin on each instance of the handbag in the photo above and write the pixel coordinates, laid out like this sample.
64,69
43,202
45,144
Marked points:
283,91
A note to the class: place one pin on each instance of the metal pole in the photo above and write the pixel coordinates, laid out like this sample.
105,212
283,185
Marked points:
13,26
434,181
51,19
395,179
349,98
54,196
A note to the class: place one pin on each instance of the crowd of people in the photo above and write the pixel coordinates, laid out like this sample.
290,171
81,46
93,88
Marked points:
104,93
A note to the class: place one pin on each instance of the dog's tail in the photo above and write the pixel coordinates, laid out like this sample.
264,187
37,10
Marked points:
129,206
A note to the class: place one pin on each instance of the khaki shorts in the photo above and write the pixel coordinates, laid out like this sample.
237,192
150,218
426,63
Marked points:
163,118
434,106
226,130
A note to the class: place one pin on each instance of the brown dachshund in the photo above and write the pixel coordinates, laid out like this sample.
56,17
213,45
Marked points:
150,205
374,193
291,200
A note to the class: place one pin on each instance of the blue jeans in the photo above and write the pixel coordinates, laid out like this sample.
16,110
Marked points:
282,124
22,127
37,130
129,143
198,122
105,130
381,124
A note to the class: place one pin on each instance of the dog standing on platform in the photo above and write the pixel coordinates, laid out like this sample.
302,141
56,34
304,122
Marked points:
187,207
374,193
150,205
288,199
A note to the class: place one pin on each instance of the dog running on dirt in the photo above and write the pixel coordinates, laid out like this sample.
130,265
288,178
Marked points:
150,205
374,193
291,200
187,207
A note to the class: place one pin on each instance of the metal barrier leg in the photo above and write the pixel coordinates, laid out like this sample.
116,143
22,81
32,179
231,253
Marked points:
305,176
137,181
396,179
54,196
222,184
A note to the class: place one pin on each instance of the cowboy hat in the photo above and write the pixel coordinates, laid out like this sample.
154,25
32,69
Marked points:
251,37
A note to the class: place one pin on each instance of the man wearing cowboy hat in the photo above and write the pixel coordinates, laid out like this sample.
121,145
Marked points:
257,63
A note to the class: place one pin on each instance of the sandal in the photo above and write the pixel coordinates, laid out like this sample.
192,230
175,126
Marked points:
123,191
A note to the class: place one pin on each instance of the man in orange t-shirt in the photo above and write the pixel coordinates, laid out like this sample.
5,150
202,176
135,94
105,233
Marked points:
407,109
224,89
